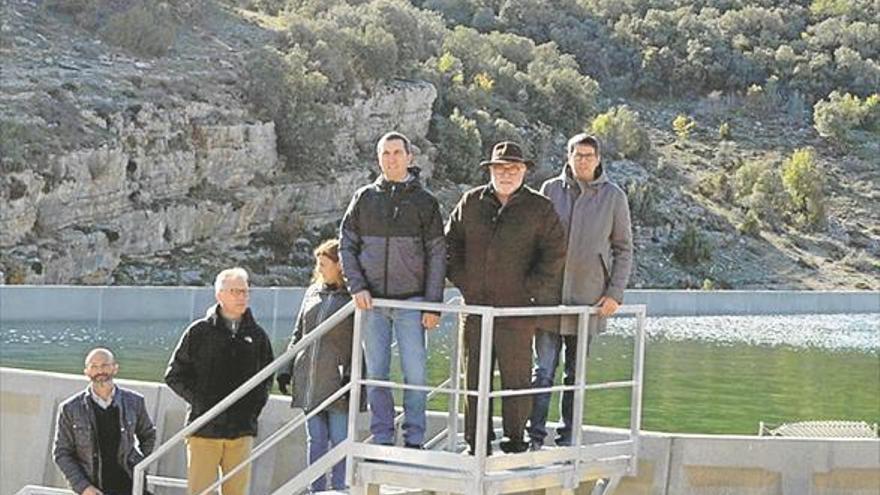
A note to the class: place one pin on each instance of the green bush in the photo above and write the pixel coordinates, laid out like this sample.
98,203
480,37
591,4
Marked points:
745,177
838,116
643,198
683,125
715,185
145,29
283,89
621,133
751,225
692,247
805,186
768,200
460,147
724,131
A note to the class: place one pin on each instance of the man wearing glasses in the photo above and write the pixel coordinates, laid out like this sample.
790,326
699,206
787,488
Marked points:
597,266
506,247
215,355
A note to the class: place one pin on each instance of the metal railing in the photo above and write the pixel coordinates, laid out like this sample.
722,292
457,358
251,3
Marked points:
478,466
241,391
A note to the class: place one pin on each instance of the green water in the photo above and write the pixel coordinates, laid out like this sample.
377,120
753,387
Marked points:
692,384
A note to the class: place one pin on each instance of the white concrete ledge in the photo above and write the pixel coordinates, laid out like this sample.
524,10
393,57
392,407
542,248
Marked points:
669,464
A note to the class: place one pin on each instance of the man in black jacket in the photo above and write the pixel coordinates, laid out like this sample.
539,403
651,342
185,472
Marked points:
391,245
215,355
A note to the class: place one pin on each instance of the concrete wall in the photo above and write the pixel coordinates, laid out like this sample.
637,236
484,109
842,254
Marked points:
669,464
100,304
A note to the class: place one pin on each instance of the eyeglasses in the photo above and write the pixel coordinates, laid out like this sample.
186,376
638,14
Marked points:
584,156
235,291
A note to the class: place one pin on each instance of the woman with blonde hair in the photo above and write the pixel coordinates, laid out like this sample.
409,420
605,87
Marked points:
322,368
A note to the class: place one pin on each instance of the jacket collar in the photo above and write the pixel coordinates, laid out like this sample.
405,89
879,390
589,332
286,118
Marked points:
488,193
410,183
571,182
213,316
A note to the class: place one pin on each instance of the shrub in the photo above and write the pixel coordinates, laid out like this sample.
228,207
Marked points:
768,200
751,225
460,147
284,90
745,177
692,247
724,131
683,125
837,117
643,198
805,186
144,27
621,133
715,185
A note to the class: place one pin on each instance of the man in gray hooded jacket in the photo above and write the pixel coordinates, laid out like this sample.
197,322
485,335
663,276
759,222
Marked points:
595,214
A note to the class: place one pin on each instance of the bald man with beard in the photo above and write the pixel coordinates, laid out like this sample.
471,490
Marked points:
96,430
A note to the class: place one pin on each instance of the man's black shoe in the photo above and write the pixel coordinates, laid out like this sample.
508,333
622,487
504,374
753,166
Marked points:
473,451
413,446
513,446
536,445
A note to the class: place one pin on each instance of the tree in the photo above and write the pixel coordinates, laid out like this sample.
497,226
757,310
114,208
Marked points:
621,132
683,125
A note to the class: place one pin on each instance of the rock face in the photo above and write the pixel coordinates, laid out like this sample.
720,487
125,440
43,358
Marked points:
178,177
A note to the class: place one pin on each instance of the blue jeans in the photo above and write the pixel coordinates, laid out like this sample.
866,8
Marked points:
406,325
547,349
326,427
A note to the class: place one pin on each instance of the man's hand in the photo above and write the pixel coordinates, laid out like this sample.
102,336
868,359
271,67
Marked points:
91,490
430,320
363,300
607,306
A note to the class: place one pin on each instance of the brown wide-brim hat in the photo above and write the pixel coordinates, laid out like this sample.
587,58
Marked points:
507,152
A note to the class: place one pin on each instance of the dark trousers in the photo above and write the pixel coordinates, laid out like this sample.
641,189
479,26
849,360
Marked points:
512,351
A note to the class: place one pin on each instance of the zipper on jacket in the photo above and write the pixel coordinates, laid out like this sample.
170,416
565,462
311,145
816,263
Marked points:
312,369
394,212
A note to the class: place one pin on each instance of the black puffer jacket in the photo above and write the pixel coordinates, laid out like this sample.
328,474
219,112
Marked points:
210,362
391,241
324,367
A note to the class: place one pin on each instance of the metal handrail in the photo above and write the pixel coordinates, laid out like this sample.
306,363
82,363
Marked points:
232,398
352,450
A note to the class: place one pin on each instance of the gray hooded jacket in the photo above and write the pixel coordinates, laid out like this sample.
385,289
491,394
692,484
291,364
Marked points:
599,257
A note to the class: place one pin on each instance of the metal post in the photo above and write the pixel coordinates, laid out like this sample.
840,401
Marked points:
635,423
487,320
577,416
454,401
354,399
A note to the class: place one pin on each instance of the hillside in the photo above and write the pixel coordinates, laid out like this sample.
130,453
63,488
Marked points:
152,143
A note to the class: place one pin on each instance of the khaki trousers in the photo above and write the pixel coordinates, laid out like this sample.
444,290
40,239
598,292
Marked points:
205,455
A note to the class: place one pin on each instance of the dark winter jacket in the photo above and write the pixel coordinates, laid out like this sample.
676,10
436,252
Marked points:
324,367
76,450
506,256
600,250
210,362
391,241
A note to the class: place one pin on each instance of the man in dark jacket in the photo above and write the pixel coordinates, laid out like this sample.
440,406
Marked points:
391,244
96,430
595,213
506,248
215,355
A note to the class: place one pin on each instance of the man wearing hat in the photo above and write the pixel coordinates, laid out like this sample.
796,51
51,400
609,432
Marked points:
505,247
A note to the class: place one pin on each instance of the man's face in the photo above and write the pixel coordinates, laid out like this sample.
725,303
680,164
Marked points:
233,297
507,177
583,161
101,368
394,160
